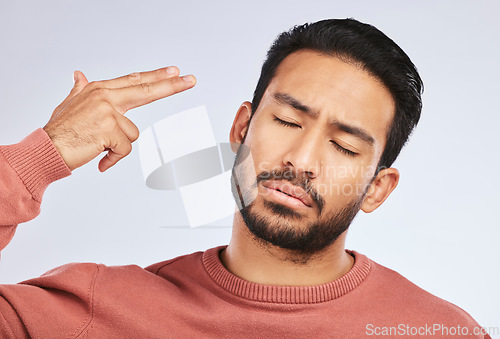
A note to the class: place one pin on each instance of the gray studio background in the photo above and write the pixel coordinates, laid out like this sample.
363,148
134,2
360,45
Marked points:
440,227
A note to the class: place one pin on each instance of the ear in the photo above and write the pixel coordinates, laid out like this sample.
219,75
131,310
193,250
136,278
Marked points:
240,125
380,189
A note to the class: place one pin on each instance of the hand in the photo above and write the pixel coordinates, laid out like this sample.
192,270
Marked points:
91,119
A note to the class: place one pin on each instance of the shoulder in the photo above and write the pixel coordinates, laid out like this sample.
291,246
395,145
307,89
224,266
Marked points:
73,275
401,296
186,261
67,277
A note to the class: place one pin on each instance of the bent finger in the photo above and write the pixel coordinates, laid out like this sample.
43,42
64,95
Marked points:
120,148
128,127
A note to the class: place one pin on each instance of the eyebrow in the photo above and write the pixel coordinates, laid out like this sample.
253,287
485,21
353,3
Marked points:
285,99
355,131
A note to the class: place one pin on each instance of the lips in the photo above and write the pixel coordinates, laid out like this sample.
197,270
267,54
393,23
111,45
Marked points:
287,188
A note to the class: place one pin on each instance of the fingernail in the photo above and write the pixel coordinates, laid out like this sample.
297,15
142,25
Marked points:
171,70
74,77
188,78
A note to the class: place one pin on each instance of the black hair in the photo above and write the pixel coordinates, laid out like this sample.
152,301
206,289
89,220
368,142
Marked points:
367,47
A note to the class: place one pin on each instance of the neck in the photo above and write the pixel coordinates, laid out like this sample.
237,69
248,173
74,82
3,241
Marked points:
251,260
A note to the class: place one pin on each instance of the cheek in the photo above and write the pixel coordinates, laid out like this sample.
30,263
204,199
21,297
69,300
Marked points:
265,132
268,145
349,171
343,184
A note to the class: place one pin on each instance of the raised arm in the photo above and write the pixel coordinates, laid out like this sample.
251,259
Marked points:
26,169
91,120
88,122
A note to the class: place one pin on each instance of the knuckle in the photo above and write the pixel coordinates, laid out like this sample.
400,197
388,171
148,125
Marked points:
146,87
127,148
107,123
94,85
135,134
134,78
101,93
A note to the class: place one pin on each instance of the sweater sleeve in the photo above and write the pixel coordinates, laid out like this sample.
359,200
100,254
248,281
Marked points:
59,303
26,169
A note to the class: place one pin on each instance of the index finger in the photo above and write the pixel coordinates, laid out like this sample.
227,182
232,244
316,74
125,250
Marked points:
138,78
127,98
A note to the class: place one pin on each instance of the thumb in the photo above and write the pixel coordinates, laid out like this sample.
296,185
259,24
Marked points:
80,81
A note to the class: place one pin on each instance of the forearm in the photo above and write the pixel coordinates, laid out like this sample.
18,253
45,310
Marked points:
26,169
88,122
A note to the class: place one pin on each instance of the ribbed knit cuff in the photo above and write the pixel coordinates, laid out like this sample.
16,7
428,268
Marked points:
37,162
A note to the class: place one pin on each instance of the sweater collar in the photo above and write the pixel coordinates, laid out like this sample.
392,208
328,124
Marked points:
285,294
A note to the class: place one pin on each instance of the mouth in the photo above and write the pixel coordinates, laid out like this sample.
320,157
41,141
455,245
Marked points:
287,194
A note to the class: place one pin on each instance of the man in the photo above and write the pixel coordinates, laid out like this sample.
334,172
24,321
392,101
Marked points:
334,105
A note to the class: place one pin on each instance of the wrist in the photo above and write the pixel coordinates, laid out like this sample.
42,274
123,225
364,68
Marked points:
37,162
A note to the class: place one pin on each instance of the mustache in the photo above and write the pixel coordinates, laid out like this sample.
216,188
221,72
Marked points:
301,181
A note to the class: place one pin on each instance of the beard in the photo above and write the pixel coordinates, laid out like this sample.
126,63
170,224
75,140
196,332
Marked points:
284,228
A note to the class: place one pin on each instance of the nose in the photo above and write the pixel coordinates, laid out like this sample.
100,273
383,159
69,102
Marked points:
303,156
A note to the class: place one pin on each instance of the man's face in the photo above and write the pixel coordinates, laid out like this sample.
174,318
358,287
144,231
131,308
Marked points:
315,139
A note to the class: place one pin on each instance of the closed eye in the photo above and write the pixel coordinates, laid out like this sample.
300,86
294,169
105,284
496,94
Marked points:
286,123
343,150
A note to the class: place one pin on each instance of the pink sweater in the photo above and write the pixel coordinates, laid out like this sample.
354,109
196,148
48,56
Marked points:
195,296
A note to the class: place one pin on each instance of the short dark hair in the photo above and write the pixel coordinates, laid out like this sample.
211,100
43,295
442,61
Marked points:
367,47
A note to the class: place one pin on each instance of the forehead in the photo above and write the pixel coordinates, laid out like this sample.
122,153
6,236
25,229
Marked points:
336,89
